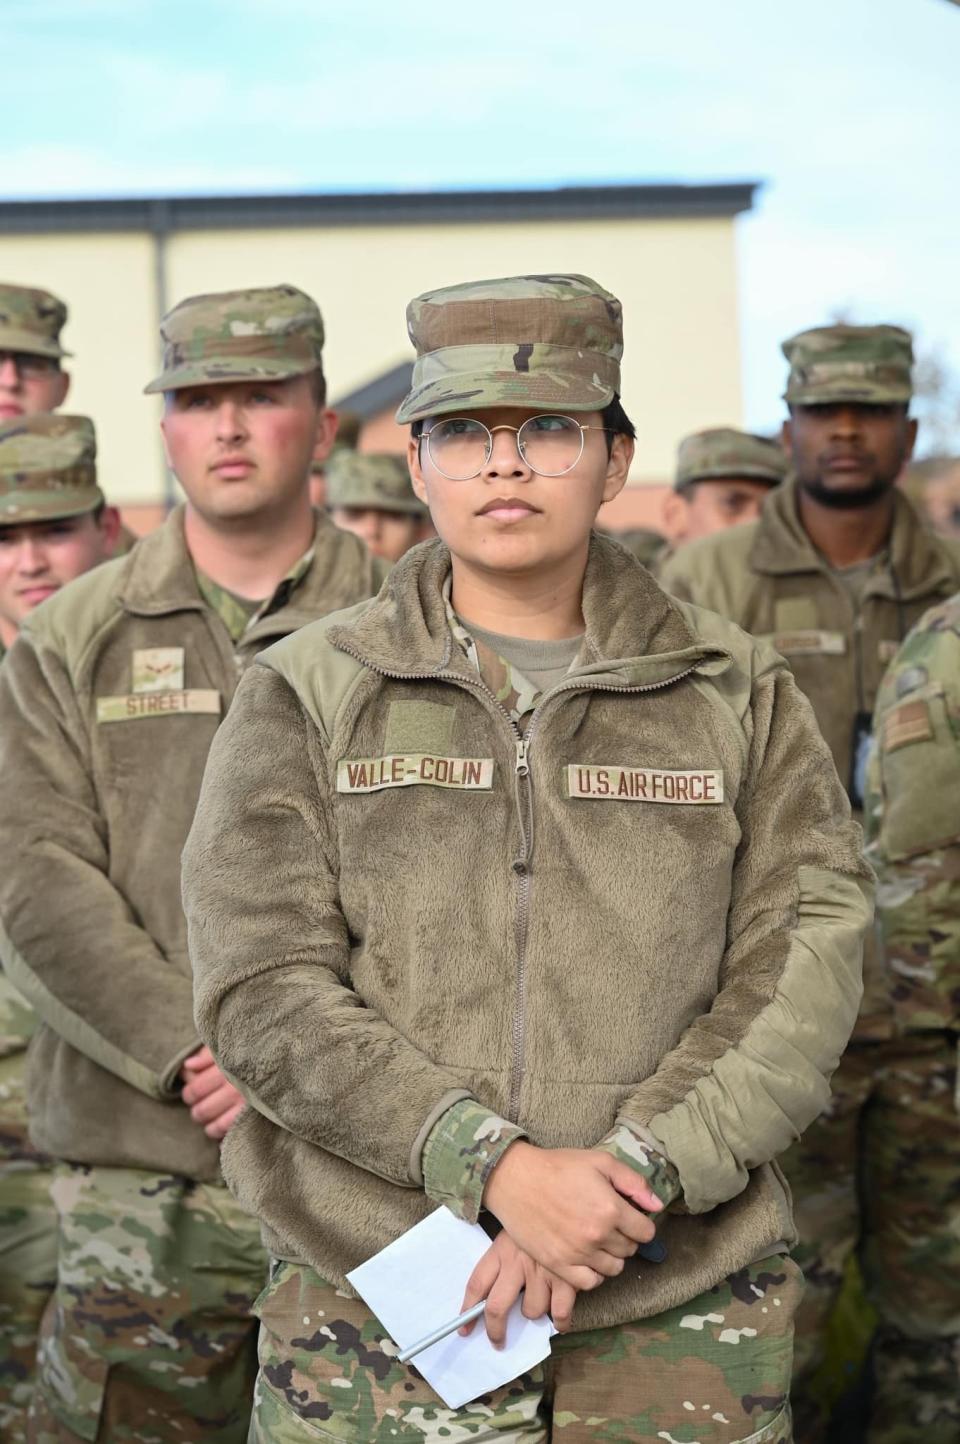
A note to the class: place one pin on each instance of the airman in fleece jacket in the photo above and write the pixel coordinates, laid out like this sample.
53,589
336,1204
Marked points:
546,929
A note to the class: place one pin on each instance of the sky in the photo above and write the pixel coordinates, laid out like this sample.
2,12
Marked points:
847,111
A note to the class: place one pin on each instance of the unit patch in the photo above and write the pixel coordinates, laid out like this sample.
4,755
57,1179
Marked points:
134,705
645,784
158,669
373,774
812,641
910,722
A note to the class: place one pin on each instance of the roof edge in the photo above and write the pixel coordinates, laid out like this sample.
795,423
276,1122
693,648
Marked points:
170,214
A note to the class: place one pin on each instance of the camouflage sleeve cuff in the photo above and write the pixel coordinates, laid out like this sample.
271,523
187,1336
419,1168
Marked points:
629,1148
462,1149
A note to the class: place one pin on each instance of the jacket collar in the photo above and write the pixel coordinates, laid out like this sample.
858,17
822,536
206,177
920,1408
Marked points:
160,578
635,634
918,566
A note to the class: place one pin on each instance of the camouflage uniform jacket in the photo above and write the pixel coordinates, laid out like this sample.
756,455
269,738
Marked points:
109,701
621,915
913,823
767,577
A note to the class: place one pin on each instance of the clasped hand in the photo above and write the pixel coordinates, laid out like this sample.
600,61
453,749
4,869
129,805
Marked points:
571,1218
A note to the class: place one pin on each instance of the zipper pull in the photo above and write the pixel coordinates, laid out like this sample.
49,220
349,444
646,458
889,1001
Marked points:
522,765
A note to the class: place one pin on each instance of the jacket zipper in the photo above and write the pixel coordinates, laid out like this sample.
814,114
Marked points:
522,865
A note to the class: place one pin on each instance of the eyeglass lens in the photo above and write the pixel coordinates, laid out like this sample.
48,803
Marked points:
460,447
25,363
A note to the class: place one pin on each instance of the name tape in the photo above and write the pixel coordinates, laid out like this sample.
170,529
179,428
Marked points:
136,705
827,644
373,774
645,784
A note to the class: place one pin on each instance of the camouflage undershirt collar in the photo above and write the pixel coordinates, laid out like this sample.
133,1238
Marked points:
238,614
517,695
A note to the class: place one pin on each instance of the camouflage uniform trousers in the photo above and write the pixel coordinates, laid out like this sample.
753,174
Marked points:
879,1174
28,1249
714,1371
150,1335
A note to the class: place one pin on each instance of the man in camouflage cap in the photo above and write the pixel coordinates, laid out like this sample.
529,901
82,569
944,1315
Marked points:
475,755
911,1162
723,477
109,700
54,526
31,378
371,496
837,569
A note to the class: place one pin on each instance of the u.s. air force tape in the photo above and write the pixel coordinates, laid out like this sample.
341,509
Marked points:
692,786
373,774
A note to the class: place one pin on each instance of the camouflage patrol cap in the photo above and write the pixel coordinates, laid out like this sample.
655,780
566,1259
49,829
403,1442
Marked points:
31,320
47,468
553,342
267,334
870,364
722,451
378,482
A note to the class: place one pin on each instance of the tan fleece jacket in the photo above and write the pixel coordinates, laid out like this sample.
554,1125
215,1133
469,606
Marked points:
109,701
649,908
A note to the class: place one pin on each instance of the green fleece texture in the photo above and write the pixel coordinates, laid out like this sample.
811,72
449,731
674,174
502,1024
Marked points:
94,818
357,955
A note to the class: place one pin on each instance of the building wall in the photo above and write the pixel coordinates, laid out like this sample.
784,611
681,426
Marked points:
676,278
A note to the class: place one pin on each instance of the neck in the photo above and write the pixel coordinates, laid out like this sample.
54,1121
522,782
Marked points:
544,607
252,556
8,634
845,538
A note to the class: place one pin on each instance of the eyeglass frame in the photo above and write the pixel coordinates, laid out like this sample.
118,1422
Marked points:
30,365
425,436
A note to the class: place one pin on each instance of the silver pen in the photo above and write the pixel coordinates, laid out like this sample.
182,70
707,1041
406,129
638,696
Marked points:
443,1332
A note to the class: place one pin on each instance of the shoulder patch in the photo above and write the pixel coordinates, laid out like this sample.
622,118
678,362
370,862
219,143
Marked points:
906,723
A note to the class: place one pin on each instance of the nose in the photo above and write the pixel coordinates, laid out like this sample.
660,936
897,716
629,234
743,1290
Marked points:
9,375
230,423
505,459
31,557
846,421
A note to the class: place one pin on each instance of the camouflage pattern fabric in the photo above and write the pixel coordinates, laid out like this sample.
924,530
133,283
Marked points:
149,1336
471,1131
553,342
867,364
47,468
713,1371
28,1224
31,320
267,334
374,481
516,694
239,613
723,451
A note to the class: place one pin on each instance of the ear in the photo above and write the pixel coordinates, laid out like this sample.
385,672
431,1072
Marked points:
675,517
61,390
163,436
413,466
911,437
618,466
326,433
786,436
109,529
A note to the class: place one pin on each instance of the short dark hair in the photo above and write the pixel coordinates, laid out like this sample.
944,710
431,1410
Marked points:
613,418
318,386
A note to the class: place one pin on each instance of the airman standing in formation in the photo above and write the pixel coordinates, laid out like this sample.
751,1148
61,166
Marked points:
523,745
834,573
911,1153
109,700
54,526
723,477
371,495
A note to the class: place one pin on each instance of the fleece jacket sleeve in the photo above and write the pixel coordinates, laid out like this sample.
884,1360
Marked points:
68,939
271,952
748,1077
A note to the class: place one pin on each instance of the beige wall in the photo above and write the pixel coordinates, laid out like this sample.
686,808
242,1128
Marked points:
677,280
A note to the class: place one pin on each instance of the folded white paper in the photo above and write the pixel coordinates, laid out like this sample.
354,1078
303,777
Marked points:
415,1285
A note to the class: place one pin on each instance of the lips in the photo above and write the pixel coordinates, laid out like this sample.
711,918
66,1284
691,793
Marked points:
508,508
233,466
10,409
35,595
